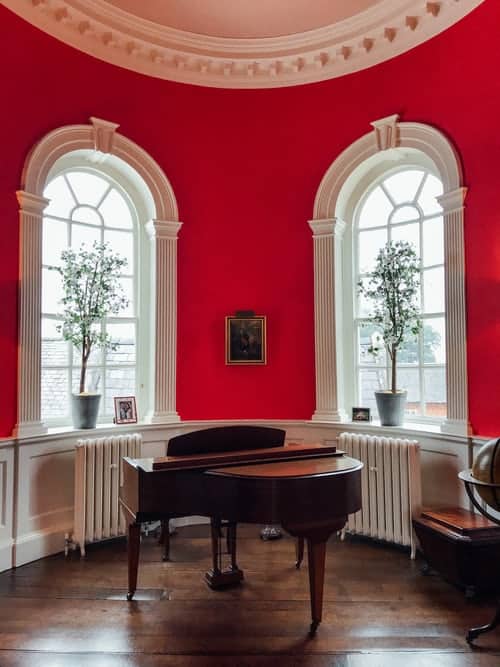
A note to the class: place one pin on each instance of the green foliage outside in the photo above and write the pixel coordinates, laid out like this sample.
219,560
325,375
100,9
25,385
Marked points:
392,288
91,291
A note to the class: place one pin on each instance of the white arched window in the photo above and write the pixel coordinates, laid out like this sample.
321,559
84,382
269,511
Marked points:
401,205
88,206
400,181
82,183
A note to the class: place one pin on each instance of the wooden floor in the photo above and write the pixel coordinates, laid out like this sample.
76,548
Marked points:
378,610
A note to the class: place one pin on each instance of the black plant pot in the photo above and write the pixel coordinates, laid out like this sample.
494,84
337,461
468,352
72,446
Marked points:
391,407
84,410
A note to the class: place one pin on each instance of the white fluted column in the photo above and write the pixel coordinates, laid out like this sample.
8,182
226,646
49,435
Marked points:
163,236
327,235
31,209
456,352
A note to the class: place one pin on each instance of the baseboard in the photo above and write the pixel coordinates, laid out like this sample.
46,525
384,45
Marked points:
6,557
38,544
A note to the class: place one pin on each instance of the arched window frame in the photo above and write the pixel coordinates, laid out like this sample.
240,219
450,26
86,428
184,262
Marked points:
390,142
100,142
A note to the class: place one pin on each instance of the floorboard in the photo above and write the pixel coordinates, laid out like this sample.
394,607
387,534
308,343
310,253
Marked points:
379,610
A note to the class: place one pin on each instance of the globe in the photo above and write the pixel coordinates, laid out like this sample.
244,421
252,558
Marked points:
486,468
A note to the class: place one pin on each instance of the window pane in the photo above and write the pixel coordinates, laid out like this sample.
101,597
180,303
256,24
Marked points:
410,233
55,240
369,336
55,399
115,211
88,188
86,214
433,280
409,352
408,378
93,381
435,392
405,214
433,241
376,209
95,358
369,244
124,336
128,290
403,186
119,382
370,382
54,349
432,188
61,199
86,236
123,243
434,341
52,292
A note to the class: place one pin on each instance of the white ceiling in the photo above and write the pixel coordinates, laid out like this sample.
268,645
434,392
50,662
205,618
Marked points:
243,43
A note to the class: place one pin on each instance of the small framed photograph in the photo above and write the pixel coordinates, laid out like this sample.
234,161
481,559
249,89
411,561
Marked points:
361,414
246,340
125,410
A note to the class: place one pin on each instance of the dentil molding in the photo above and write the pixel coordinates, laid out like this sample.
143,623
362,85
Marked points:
388,28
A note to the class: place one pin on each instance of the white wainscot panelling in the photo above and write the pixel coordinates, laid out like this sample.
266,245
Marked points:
6,505
45,498
45,476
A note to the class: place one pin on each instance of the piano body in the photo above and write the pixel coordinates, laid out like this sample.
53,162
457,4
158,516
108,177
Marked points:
308,489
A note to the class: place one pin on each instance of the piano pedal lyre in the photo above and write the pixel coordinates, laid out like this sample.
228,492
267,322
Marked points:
218,577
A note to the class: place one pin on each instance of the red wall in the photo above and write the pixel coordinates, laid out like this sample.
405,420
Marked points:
245,166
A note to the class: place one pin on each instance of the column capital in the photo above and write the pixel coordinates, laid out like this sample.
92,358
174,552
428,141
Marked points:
327,227
163,229
30,203
452,200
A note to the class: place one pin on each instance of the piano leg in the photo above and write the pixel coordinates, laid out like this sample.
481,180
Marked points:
299,550
316,551
317,536
134,542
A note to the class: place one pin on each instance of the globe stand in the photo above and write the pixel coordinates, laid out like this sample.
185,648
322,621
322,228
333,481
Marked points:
470,484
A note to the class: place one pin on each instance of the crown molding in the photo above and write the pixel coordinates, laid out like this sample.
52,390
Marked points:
104,31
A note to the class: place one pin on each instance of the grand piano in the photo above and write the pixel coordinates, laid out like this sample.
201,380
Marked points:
308,489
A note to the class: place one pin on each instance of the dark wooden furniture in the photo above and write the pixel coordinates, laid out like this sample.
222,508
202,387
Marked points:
219,439
308,489
462,546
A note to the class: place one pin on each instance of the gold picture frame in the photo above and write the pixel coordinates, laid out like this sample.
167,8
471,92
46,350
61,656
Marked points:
246,339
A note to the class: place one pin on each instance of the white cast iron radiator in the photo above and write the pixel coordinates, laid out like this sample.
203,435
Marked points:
98,477
391,487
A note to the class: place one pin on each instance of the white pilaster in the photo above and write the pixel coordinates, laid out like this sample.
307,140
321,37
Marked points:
327,235
456,350
163,236
31,209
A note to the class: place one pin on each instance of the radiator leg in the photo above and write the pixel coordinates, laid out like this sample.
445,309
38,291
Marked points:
134,542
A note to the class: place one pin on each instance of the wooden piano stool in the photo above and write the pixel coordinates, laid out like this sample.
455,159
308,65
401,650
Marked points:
462,546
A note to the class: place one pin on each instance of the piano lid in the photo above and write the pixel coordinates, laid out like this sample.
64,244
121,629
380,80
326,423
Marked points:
312,467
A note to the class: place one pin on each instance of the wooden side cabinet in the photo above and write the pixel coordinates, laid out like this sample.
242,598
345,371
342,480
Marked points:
462,546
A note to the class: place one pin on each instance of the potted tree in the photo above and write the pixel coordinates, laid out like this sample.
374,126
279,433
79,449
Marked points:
91,291
392,288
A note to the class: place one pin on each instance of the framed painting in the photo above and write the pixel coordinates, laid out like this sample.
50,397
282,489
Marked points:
246,339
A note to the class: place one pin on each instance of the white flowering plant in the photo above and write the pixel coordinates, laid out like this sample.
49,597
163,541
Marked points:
393,289
91,291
